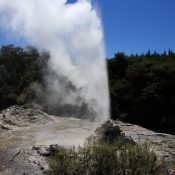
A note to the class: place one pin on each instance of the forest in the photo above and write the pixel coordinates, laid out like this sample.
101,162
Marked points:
22,72
142,86
142,89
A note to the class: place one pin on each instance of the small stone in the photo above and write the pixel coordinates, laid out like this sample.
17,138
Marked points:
54,148
41,168
5,127
44,152
35,148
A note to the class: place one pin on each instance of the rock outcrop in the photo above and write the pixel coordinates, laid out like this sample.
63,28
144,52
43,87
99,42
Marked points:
21,116
16,156
163,144
108,131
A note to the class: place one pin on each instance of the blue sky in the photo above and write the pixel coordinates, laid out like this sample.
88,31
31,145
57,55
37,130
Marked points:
138,25
132,26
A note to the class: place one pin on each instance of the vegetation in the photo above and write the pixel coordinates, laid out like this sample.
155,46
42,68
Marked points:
142,89
21,74
119,158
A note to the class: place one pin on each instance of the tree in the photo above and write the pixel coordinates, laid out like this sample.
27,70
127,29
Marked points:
142,89
19,70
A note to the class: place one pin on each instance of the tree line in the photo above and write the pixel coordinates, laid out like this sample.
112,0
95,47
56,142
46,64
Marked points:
142,89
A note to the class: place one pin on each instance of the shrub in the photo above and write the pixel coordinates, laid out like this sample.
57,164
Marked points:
118,158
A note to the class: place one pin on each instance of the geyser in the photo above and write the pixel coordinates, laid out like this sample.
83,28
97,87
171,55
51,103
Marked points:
73,34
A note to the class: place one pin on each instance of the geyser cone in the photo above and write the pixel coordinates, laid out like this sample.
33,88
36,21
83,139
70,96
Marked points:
73,34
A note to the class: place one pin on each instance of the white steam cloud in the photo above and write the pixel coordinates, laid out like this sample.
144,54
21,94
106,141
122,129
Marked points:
73,34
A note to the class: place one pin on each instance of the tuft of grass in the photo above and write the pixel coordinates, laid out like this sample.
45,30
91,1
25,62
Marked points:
119,158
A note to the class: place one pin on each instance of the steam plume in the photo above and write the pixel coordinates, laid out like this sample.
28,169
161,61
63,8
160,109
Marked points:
73,34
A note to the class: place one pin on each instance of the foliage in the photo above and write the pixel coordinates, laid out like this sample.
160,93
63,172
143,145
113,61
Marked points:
142,89
118,158
21,71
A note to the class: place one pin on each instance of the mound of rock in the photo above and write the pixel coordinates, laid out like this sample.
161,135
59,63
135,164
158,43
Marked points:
22,116
108,131
162,144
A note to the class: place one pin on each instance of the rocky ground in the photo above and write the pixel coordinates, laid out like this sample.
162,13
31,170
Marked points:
28,136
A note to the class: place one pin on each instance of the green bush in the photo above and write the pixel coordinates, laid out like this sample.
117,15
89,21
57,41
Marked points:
119,158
